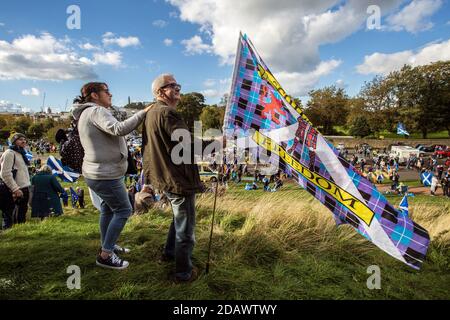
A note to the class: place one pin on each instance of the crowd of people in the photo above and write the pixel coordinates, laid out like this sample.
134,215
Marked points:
378,167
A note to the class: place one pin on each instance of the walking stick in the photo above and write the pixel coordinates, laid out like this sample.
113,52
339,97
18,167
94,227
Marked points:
212,227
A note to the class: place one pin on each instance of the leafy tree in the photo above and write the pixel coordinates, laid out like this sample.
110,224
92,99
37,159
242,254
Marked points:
190,107
379,104
137,105
36,131
425,98
21,125
359,127
212,117
327,107
48,123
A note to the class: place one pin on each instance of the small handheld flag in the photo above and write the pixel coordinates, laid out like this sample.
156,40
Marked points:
403,207
426,178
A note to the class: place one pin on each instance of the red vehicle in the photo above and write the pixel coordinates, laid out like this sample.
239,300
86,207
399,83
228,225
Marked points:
442,153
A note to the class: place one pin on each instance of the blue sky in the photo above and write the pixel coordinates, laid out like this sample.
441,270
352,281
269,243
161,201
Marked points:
307,45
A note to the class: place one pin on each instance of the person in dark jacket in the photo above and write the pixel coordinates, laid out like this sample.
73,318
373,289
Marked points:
80,194
180,181
46,192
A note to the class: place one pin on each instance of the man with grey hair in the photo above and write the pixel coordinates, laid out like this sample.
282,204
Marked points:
179,182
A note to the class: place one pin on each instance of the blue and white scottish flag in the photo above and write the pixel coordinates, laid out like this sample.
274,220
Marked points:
426,178
403,207
65,173
29,155
401,129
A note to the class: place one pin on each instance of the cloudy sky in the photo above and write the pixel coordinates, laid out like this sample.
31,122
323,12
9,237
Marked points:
307,44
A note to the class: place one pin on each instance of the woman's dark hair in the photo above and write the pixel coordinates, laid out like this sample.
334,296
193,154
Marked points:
87,90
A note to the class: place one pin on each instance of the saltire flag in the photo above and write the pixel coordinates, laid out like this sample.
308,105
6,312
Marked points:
73,197
426,177
401,129
29,155
403,207
263,118
65,173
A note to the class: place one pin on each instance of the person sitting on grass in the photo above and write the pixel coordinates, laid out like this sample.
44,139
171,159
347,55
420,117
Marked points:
278,185
266,184
144,200
46,190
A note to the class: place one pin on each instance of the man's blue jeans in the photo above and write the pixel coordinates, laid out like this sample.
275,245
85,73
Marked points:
115,209
181,238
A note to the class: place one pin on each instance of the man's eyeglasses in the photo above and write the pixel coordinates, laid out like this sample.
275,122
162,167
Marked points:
175,86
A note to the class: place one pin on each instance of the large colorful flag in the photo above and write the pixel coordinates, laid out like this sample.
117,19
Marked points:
401,129
261,117
66,174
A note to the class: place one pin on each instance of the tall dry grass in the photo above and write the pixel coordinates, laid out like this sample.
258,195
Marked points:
293,220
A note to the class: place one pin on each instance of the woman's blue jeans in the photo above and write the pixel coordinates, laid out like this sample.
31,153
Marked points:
114,211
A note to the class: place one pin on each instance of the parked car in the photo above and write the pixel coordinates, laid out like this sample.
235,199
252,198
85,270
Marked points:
424,148
442,153
206,173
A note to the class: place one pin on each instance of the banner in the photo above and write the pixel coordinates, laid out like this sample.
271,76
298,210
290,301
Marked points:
264,120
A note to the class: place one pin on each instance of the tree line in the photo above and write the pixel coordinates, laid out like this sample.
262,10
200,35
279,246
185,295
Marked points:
419,97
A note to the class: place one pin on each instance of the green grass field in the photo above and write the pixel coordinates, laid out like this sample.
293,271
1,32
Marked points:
281,245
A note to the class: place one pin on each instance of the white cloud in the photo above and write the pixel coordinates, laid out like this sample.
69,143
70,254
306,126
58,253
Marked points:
340,84
195,45
173,14
209,83
413,17
88,46
382,63
2,24
210,93
42,58
168,42
160,23
109,58
108,35
286,33
216,88
300,83
121,41
31,92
